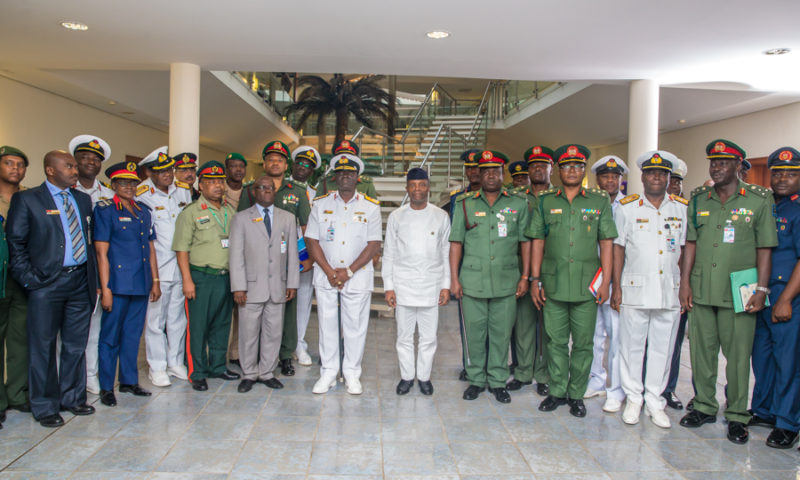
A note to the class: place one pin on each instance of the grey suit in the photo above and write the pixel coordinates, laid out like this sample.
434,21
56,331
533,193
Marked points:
264,266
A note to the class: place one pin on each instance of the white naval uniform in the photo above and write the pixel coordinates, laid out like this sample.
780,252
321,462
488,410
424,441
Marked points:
165,327
650,310
607,326
98,192
343,230
305,291
416,266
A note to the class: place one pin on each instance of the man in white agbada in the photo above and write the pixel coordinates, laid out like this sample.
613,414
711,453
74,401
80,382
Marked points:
416,278
646,278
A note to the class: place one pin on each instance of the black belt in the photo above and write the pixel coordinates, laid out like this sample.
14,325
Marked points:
73,268
209,270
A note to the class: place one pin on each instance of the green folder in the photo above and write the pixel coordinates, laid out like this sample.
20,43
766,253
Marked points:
743,286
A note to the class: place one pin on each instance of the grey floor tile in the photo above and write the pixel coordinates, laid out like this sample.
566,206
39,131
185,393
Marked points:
99,425
466,429
756,455
405,429
344,477
558,457
671,475
58,454
534,429
249,403
346,459
272,457
110,476
725,475
488,459
776,474
135,454
455,406
351,406
178,403
13,448
691,455
201,456
593,426
188,476
522,476
221,427
34,475
280,429
295,406
409,406
157,425
417,458
626,456
349,429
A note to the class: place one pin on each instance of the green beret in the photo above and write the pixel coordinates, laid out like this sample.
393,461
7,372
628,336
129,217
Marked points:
235,156
9,150
276,146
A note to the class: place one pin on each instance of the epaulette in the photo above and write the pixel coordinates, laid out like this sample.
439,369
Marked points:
456,191
700,189
247,184
104,203
464,196
141,189
679,199
105,185
597,191
763,191
629,199
300,184
364,178
376,202
549,191
180,184
321,196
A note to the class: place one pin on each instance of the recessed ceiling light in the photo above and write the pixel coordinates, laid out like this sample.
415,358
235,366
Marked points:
681,121
777,51
112,102
75,26
438,34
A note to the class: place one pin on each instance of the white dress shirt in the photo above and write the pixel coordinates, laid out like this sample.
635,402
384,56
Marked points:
97,192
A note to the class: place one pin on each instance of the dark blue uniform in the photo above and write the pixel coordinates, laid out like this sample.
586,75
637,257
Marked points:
776,346
130,281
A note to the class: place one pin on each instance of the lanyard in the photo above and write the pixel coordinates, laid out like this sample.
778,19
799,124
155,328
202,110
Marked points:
223,226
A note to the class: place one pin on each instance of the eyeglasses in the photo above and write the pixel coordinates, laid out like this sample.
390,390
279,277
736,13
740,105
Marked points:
262,188
572,166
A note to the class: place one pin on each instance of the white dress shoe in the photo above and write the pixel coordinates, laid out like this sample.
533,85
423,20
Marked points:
593,393
93,384
303,358
658,417
631,413
354,387
179,372
612,405
325,383
159,379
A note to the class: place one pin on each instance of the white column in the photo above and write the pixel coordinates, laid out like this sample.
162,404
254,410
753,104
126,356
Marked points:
184,108
642,127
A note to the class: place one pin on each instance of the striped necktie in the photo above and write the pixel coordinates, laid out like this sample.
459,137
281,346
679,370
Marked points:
75,231
268,222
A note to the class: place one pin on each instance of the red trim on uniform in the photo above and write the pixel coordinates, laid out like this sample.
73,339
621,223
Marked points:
794,197
189,360
742,191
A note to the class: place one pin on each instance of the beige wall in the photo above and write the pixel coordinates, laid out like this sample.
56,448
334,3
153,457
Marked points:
36,122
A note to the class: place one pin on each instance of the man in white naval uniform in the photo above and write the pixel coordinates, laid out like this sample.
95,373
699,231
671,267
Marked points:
90,152
609,171
165,327
343,234
652,233
304,161
416,278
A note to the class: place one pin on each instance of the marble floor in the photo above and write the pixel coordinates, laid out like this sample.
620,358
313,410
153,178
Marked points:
292,434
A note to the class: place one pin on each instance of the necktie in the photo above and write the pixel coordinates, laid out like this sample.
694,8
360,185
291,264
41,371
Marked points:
75,231
268,222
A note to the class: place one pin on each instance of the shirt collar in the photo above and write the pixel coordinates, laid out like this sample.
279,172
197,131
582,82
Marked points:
265,210
55,190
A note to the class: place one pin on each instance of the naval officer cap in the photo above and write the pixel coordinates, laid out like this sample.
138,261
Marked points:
345,162
307,153
656,160
157,160
784,158
90,143
610,164
518,168
9,150
679,169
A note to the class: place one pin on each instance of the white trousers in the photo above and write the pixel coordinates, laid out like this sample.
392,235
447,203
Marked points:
607,325
408,319
305,292
165,328
655,328
94,339
355,320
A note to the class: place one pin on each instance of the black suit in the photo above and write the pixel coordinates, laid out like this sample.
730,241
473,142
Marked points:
60,300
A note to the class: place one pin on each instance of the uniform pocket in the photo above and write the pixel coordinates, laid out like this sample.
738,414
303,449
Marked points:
632,289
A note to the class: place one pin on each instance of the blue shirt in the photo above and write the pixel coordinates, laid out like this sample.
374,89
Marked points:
786,254
264,213
59,201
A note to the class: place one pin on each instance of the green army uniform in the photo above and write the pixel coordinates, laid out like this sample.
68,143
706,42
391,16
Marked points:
364,185
203,230
490,272
291,196
727,236
571,232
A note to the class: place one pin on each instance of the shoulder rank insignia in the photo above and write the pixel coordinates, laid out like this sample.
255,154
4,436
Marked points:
364,178
758,189
321,196
679,199
104,202
105,185
547,192
457,190
248,183
141,189
376,202
180,184
629,199
700,189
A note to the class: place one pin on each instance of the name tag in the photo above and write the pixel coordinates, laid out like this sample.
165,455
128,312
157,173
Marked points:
555,211
283,247
124,219
53,212
225,242
502,230
728,235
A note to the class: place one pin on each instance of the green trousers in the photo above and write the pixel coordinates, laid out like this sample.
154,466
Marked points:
712,328
569,373
289,335
491,318
209,324
13,346
529,343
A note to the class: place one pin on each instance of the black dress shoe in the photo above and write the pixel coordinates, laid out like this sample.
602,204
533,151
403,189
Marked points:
2,416
286,367
235,361
200,385
227,375
672,400
577,408
107,398
515,385
80,410
272,383
51,421
551,403
22,407
245,386
462,375
737,432
756,421
404,386
472,392
134,389
781,438
542,389
426,388
501,395
694,419
690,405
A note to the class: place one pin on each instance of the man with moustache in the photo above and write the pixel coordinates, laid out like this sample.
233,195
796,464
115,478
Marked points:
328,183
186,172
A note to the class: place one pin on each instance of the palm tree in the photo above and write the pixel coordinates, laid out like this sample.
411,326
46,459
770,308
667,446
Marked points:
360,96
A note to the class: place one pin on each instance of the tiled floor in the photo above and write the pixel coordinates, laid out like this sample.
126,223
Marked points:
292,434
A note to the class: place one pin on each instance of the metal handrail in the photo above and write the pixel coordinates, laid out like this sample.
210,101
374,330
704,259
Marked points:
478,113
419,112
450,133
374,132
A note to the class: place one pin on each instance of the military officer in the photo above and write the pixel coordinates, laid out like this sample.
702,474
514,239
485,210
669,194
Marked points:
128,270
540,167
776,363
304,161
679,171
201,244
186,171
235,170
519,174
328,182
567,228
293,198
744,170
731,229
90,151
165,327
652,232
608,173
487,232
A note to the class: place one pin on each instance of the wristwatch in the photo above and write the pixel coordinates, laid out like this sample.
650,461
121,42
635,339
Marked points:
763,289
349,273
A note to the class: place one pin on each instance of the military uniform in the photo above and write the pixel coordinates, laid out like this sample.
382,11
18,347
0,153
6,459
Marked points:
184,161
726,236
203,230
328,182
